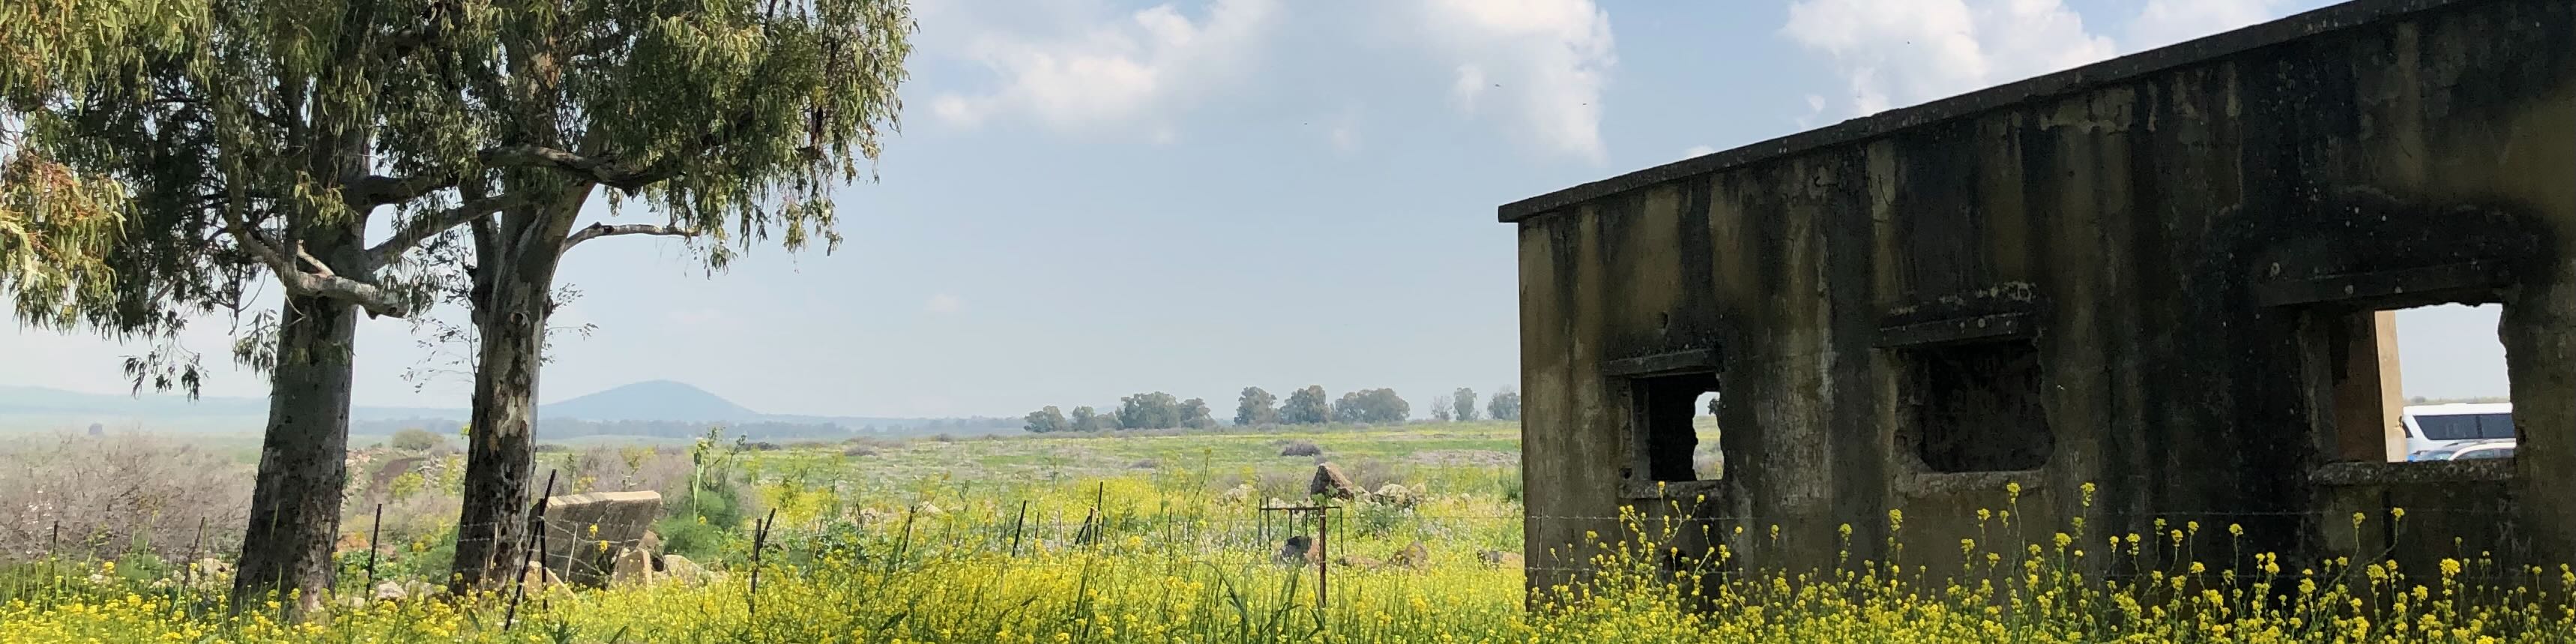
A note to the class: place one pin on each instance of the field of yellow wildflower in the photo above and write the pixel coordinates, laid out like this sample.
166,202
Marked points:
1178,539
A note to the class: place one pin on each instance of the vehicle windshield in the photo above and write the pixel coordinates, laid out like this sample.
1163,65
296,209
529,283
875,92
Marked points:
2458,427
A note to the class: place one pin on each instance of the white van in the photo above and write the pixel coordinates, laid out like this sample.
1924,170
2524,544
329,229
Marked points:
2431,428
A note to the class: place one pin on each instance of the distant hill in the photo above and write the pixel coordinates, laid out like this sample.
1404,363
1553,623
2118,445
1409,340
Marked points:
662,400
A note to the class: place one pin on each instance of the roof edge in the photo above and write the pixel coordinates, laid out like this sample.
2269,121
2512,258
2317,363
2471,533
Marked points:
2339,17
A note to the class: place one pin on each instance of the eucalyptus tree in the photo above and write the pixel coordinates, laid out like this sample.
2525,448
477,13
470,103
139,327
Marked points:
250,137
731,119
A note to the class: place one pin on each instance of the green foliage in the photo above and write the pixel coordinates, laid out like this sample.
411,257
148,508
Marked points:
1256,408
1155,410
1048,420
1086,420
1376,406
1306,407
417,439
1196,415
1506,405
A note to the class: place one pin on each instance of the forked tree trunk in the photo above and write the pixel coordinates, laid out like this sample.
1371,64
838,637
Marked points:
500,463
295,506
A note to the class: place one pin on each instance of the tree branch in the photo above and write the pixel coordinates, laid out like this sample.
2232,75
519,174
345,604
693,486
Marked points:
375,300
422,228
603,170
595,231
376,190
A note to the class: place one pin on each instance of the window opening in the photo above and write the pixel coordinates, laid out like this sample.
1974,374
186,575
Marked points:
1671,412
1978,407
2449,371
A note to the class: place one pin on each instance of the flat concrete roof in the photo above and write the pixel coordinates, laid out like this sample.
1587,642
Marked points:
2186,54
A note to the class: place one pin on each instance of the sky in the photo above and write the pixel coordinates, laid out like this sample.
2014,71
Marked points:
1090,199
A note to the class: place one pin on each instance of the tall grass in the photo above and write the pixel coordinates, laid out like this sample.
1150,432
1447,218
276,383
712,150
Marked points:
1187,553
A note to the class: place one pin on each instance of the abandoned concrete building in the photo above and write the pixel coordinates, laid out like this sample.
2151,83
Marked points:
2169,275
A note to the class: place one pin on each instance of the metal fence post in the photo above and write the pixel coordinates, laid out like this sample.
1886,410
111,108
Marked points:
519,582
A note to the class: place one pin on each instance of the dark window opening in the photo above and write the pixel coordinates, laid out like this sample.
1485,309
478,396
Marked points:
1670,411
1978,407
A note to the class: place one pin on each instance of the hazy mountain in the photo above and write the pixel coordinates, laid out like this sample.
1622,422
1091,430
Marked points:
650,400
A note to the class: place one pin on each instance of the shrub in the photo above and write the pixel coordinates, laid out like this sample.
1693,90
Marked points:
121,493
858,451
417,440
1301,448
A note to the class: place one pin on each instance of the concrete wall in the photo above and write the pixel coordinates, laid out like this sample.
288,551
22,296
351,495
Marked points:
2177,233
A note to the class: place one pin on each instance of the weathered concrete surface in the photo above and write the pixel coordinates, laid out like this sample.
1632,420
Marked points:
2185,236
584,532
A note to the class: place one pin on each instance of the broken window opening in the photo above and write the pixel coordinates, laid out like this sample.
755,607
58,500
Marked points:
1671,412
2421,383
1978,407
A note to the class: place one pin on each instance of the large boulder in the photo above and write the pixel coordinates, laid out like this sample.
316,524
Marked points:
1330,481
577,526
1500,558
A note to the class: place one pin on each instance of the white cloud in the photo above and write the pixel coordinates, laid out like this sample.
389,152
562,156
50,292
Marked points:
1538,64
945,303
1698,151
1118,71
1901,52
2165,22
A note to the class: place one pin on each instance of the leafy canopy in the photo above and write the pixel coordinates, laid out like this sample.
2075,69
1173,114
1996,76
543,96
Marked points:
227,138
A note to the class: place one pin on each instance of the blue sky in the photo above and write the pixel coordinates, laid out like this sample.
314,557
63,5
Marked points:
1091,198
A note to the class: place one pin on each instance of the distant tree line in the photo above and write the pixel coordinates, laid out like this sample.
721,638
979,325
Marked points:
1257,407
1150,410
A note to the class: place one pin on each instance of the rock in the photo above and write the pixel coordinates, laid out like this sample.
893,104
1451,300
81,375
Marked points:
1393,494
1330,481
577,524
1239,494
1298,550
388,591
681,569
928,509
421,589
539,578
1416,556
1500,559
632,567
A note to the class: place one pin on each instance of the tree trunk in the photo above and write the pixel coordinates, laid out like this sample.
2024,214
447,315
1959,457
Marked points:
295,506
500,462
